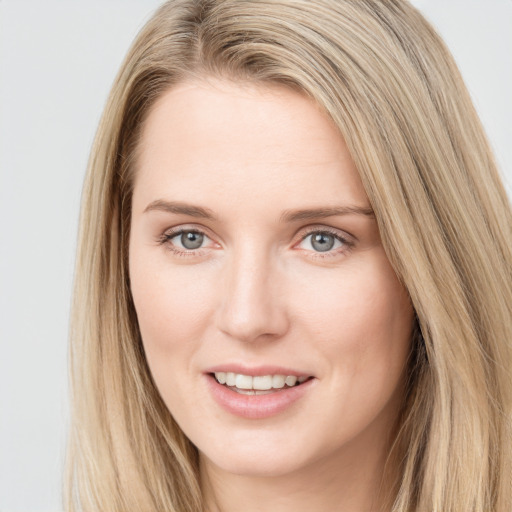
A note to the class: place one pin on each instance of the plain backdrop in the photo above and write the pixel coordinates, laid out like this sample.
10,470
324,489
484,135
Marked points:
57,62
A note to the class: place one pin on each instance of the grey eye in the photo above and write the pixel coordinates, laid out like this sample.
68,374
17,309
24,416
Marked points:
191,239
322,242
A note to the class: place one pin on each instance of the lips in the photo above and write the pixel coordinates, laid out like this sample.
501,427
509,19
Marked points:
257,393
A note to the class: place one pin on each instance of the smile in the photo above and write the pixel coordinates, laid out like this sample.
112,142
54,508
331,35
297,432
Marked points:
257,396
258,385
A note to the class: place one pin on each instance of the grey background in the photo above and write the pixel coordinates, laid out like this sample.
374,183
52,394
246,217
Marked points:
57,62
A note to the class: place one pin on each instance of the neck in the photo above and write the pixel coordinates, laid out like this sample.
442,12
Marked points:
341,482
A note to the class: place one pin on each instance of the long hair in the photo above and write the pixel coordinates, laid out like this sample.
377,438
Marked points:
392,88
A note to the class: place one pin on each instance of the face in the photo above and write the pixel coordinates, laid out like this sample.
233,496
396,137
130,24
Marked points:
273,324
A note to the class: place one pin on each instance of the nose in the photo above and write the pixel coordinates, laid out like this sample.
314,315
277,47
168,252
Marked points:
252,300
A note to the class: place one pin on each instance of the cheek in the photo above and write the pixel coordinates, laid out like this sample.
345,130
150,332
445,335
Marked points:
361,323
172,304
171,307
362,320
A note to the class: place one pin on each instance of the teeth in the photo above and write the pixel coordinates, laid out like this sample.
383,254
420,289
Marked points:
259,383
290,380
230,379
243,382
278,381
262,383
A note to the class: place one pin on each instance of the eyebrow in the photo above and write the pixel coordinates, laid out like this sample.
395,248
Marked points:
315,213
180,208
287,216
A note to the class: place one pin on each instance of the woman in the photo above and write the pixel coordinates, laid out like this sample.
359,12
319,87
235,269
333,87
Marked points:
293,282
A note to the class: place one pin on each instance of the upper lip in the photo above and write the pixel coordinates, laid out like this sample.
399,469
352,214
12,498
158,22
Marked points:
256,371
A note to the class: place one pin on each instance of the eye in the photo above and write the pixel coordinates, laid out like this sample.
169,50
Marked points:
189,240
324,241
184,241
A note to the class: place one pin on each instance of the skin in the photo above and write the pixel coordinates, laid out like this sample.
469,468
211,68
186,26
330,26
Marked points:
258,291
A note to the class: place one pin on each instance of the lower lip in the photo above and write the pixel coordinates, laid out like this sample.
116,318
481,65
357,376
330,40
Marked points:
256,406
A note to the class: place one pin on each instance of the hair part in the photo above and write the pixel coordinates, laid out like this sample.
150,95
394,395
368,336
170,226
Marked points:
393,90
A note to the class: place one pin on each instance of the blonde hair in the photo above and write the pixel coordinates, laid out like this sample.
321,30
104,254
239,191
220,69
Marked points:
391,86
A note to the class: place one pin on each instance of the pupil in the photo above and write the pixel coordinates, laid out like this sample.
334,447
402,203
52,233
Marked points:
322,242
191,240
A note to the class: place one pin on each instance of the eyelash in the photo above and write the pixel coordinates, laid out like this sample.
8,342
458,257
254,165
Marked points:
165,239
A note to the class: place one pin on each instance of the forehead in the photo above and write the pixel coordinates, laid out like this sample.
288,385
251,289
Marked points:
239,139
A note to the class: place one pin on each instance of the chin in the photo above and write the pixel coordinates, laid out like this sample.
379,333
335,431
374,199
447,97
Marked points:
258,459
255,468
